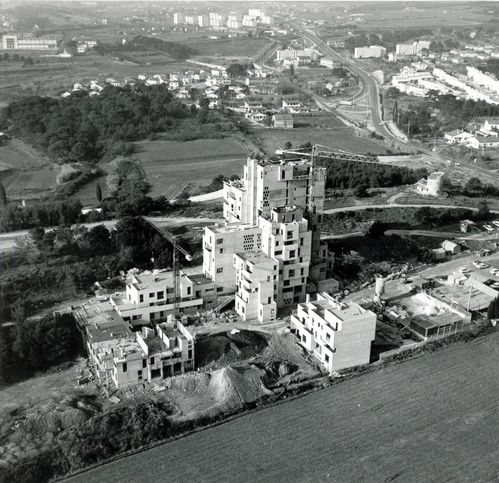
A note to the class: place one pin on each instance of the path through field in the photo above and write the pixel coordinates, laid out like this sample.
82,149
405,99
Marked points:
433,418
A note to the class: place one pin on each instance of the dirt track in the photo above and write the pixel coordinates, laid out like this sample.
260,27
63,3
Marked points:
433,418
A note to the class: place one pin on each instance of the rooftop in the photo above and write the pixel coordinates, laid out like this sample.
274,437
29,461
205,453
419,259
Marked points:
151,279
254,256
112,330
230,227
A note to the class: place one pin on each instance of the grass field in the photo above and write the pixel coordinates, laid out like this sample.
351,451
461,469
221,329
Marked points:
433,418
25,172
173,166
341,138
227,48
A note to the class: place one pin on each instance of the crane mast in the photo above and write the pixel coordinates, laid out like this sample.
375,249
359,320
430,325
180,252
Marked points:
177,250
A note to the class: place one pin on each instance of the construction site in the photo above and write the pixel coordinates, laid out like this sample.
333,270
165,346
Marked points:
264,311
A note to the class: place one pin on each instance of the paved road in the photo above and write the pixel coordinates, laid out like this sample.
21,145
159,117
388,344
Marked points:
8,240
370,86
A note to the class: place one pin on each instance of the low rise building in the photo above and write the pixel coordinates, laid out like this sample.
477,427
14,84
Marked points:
338,334
431,186
328,62
373,51
150,296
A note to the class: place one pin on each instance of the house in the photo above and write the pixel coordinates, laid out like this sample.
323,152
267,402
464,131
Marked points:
458,136
338,334
450,247
481,143
283,121
438,253
291,105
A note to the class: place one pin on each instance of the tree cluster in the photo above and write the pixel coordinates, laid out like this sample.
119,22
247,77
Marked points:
81,127
29,347
344,174
239,70
59,264
50,213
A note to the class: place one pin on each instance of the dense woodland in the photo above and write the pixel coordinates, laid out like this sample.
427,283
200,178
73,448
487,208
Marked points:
344,174
81,127
29,347
55,265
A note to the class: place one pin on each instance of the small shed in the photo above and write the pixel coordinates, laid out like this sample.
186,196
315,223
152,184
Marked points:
451,247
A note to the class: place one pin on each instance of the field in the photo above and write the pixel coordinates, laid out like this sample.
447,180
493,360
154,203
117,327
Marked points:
228,48
173,166
341,138
24,172
432,418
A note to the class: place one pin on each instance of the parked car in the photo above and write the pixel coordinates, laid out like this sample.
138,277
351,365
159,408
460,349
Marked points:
464,270
496,223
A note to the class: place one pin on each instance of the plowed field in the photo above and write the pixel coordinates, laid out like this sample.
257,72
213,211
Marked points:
433,418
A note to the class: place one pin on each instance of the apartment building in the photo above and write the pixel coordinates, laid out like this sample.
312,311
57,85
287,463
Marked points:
338,334
203,20
256,277
150,296
178,18
273,215
220,243
373,51
217,20
483,79
165,351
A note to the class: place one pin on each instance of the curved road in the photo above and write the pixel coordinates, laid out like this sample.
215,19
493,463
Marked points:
369,84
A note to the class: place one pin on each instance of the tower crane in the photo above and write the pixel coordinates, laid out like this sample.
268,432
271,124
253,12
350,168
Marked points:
177,251
319,151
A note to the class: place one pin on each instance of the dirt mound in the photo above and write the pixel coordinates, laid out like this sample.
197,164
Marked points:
283,360
219,350
234,387
191,382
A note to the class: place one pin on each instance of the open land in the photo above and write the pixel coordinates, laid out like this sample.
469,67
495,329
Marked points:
340,138
173,166
25,172
428,419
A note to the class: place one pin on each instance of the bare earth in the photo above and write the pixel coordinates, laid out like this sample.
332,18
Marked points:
433,418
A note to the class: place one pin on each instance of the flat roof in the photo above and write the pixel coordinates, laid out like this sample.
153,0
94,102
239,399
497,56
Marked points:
97,312
254,256
342,310
230,227
151,279
108,331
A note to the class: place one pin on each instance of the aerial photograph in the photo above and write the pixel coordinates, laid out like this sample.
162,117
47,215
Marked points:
249,241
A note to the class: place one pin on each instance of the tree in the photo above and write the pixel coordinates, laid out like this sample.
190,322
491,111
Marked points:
361,191
376,230
98,192
483,210
493,310
288,145
3,195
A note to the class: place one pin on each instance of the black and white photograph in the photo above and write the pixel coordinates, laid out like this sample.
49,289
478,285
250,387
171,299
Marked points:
249,242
